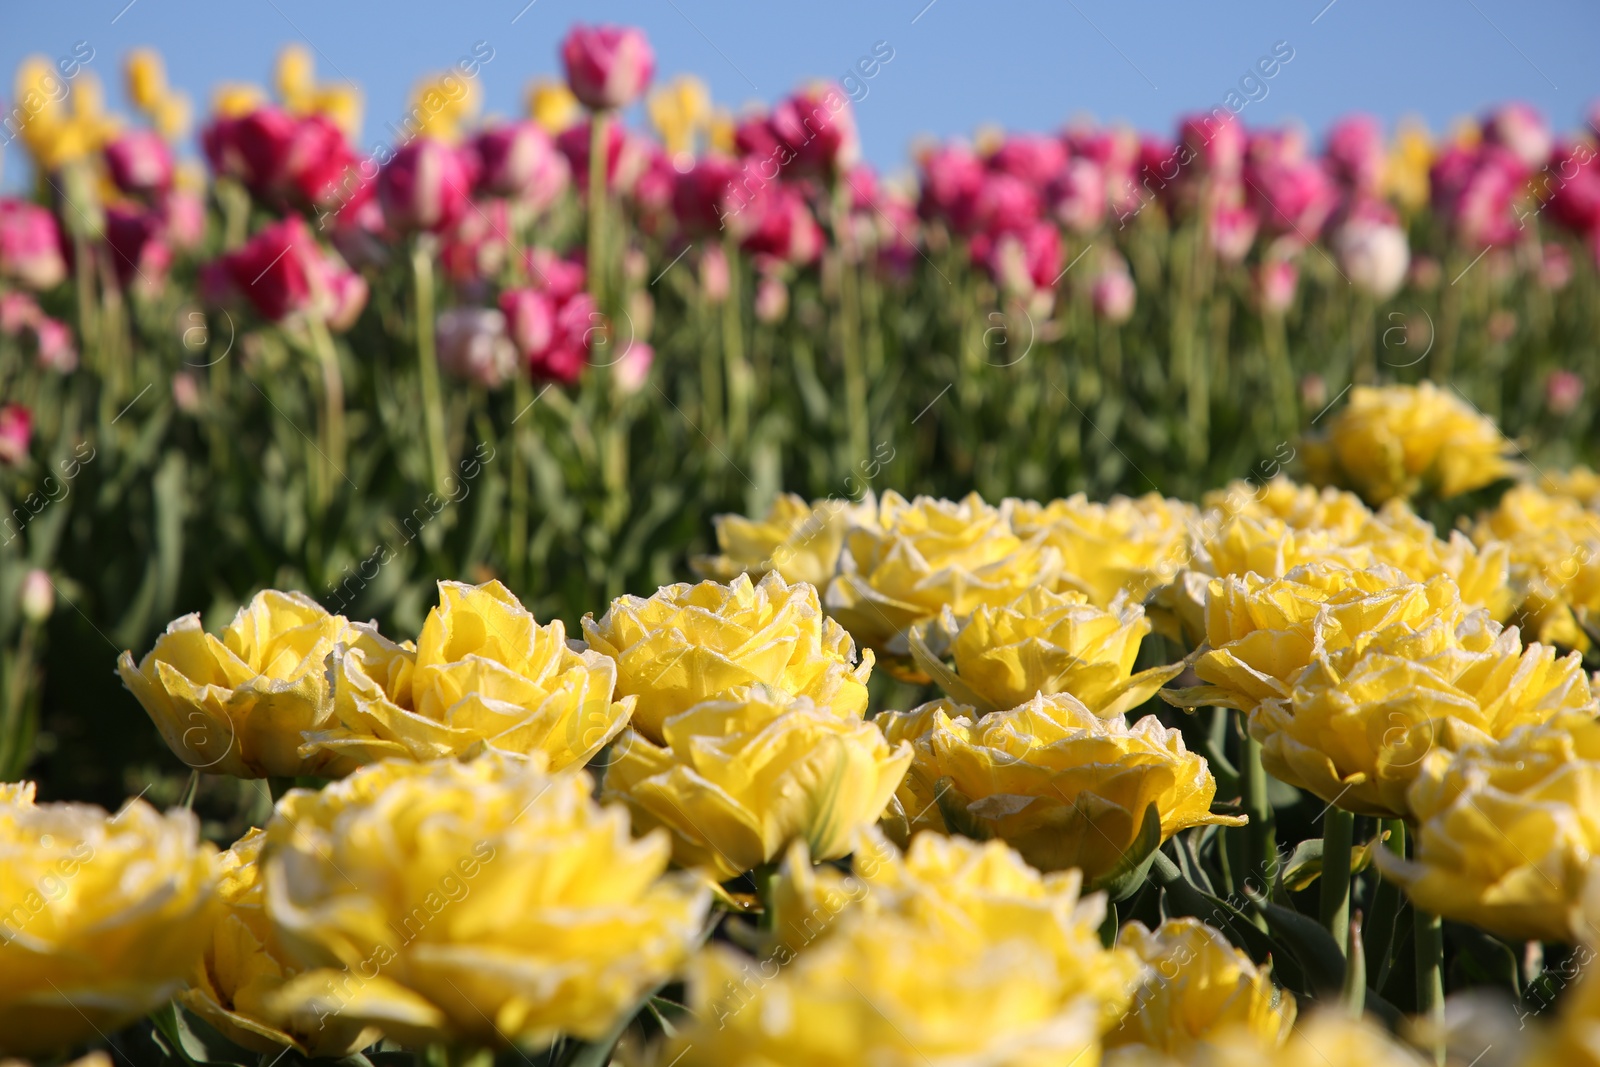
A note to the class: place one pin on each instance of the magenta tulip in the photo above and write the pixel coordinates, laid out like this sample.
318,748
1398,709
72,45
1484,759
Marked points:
427,185
30,245
518,160
607,66
140,163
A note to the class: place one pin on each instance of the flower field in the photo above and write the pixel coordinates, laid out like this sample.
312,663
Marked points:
633,585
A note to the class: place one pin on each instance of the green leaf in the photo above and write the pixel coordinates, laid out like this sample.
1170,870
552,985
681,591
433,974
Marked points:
196,1040
1314,948
953,805
1123,880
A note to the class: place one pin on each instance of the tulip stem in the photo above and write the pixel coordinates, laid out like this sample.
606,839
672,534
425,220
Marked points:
765,878
333,433
1281,373
1338,826
455,1056
428,364
738,369
1262,859
595,254
855,379
1385,909
517,523
1428,932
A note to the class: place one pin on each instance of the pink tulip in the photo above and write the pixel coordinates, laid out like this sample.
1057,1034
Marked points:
1116,152
632,369
1555,267
772,299
16,431
625,156
1520,130
711,197
1563,392
753,136
1292,198
282,271
54,344
427,185
184,213
1217,142
1572,184
1030,157
1024,262
250,148
529,320
1276,281
1112,295
1475,190
1285,145
564,358
1355,153
478,245
139,251
1077,195
951,178
30,245
714,275
18,311
140,163
319,169
818,126
519,160
607,66
1232,229
473,346
1005,203
787,230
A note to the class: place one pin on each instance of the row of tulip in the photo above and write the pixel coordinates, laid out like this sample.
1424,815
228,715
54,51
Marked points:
464,884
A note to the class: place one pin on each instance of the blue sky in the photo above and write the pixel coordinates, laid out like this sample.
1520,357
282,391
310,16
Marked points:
957,63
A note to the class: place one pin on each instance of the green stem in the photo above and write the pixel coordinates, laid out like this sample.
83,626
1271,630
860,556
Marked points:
738,368
428,365
595,254
1385,909
1337,828
1429,936
1363,363
517,523
1280,373
855,379
1261,844
333,433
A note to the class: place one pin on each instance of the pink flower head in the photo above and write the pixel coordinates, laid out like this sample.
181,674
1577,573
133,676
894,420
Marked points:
712,196
251,149
478,245
30,245
818,126
1355,153
1276,281
1476,190
1573,183
319,169
1522,131
427,185
1077,195
519,160
1030,157
282,271
563,359
1292,198
1112,294
1563,392
625,156
1024,262
1232,229
139,251
1216,141
951,178
607,66
786,230
632,368
1005,202
561,278
140,163
529,320
54,345
473,346
16,431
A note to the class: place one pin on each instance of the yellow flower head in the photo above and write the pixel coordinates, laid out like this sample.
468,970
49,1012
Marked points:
1580,483
956,953
1399,440
737,780
146,76
238,703
1405,172
692,643
800,541
1554,543
1062,786
472,903
243,967
925,555
1363,717
552,105
1127,546
102,916
483,673
295,78
443,106
1327,1038
1197,985
679,110
1571,1042
720,133
1505,832
1042,642
231,100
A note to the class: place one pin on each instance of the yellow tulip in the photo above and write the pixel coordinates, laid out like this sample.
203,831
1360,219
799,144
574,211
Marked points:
294,77
243,967
1554,542
470,903
1573,1040
101,916
1405,173
1580,483
1062,786
552,105
692,643
1327,1038
172,117
737,780
232,100
343,105
1042,642
800,541
1362,718
483,673
1127,545
442,106
146,76
1197,985
924,555
1505,832
720,133
679,110
239,703
1399,440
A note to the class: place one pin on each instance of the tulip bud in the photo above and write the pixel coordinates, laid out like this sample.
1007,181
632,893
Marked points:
1555,267
186,392
1078,195
1233,231
16,430
30,246
560,278
139,252
1276,281
714,278
1113,295
1374,254
55,346
1521,130
772,300
425,186
1563,392
1217,143
819,127
473,346
1355,153
1314,391
18,312
140,163
607,66
529,320
38,596
520,161
632,370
